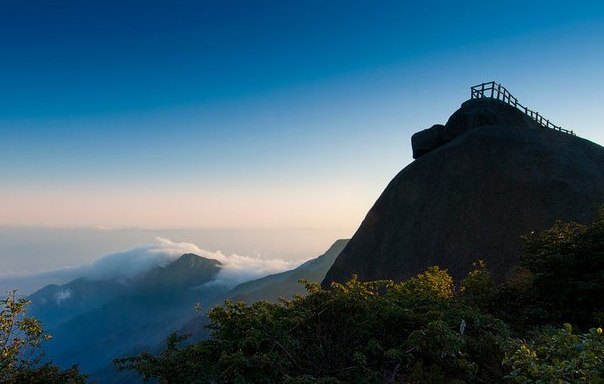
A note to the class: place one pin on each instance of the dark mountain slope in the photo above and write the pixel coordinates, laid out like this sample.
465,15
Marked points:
58,303
189,270
480,182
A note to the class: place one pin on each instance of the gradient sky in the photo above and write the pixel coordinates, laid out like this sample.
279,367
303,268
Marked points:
269,114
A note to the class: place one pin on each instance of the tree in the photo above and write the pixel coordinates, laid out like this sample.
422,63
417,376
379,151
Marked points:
567,266
434,282
20,340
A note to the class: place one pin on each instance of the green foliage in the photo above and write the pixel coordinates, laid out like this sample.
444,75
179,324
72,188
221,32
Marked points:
478,287
44,374
17,332
560,279
435,282
515,301
558,356
188,360
20,339
567,264
358,332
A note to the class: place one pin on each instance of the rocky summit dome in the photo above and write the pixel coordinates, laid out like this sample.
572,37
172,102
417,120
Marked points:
488,176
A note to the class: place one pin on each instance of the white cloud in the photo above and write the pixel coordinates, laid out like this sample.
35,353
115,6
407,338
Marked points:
237,269
134,262
62,295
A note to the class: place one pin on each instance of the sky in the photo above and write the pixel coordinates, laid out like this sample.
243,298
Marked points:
178,115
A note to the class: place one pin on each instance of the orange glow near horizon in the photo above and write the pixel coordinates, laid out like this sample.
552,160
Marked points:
320,207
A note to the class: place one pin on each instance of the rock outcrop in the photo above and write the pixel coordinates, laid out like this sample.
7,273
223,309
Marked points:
425,141
490,175
472,114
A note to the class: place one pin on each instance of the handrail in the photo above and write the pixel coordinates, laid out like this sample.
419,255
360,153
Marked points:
497,91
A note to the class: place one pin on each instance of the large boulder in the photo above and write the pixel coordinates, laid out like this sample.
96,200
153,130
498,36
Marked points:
472,114
482,112
499,176
425,141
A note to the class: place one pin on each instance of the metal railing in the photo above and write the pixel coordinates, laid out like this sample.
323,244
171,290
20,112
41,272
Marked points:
494,90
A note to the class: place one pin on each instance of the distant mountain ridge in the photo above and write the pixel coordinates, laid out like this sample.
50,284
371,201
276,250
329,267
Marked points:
189,270
55,303
114,317
285,284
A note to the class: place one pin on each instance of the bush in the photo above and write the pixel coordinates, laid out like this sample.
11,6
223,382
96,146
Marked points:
557,356
567,266
358,332
20,339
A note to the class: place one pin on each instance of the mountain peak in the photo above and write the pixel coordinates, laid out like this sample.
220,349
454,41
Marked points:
473,114
491,105
488,176
188,270
193,261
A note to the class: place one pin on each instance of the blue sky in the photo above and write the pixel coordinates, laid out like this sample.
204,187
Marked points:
288,114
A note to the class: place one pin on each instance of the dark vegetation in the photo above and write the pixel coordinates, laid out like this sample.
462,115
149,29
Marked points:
543,325
20,339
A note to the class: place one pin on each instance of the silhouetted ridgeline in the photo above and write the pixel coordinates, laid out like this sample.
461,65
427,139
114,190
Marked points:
488,176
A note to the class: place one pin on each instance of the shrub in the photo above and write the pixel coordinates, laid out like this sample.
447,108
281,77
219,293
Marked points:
20,339
567,266
557,356
357,332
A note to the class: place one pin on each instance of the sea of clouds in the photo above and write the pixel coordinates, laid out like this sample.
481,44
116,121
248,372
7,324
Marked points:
132,263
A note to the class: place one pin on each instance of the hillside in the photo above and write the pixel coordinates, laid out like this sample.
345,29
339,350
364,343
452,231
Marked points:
114,317
285,284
